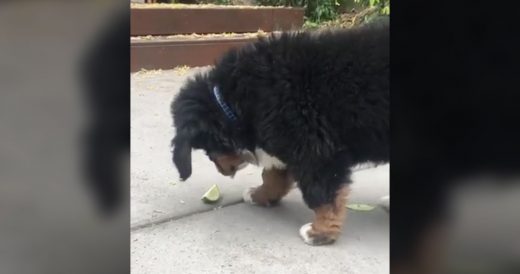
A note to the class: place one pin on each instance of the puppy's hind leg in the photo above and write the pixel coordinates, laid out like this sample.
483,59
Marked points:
328,220
325,188
276,184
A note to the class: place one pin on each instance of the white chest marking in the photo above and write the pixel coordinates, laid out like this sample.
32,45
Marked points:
267,161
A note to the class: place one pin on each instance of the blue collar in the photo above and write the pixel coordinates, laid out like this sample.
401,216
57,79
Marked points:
225,108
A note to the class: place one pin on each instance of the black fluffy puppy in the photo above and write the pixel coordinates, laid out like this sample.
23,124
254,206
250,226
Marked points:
304,106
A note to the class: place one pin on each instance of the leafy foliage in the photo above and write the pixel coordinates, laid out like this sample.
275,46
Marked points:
383,6
377,8
324,10
318,11
223,2
315,10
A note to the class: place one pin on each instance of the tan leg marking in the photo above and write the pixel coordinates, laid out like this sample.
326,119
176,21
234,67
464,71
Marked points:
276,184
328,221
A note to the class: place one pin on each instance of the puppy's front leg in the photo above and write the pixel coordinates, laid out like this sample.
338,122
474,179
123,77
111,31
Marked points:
276,184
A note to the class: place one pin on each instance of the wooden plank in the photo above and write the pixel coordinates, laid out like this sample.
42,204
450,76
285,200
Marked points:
168,21
164,54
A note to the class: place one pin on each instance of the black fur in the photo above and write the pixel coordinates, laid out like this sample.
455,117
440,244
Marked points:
318,102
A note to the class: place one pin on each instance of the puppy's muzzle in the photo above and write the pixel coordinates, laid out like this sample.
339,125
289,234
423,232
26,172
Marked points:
228,165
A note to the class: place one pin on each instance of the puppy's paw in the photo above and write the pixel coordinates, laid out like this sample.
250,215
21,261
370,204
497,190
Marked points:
254,196
304,233
312,237
247,195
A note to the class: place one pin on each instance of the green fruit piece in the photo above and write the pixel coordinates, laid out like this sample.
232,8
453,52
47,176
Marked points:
212,195
360,207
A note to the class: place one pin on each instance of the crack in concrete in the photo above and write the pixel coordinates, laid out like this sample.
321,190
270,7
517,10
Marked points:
173,217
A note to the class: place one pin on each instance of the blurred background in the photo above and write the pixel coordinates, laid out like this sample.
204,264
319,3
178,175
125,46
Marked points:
64,137
455,150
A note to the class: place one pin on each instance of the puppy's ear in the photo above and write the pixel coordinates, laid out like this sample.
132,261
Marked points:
182,156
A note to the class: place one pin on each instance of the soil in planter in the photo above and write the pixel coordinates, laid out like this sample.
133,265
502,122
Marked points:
198,6
195,36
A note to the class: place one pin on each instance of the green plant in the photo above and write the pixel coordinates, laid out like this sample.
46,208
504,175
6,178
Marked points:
316,11
324,10
376,9
383,6
310,25
223,2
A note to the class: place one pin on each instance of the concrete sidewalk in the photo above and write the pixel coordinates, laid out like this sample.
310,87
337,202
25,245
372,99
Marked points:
174,232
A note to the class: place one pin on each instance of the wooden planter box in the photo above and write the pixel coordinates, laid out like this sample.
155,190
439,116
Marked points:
167,54
170,21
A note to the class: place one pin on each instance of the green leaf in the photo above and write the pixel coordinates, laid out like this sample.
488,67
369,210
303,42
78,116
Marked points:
386,10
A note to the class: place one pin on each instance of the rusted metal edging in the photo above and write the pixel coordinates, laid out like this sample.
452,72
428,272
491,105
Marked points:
168,21
165,54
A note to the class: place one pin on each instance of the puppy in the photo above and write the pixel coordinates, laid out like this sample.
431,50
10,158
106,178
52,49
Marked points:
307,107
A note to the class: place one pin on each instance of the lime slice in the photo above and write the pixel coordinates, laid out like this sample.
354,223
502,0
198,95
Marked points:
212,195
360,207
